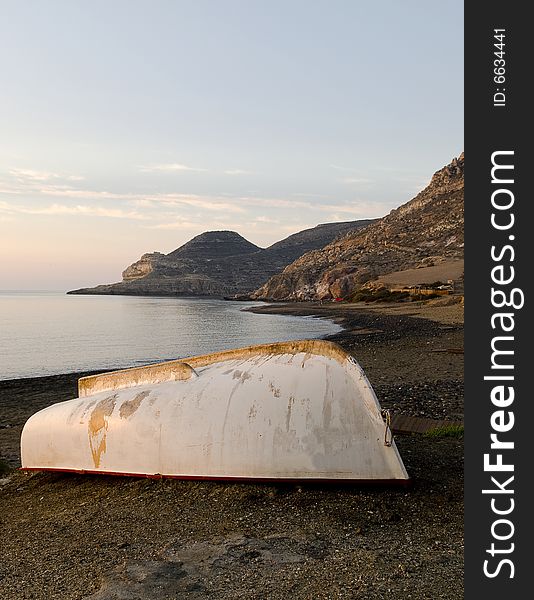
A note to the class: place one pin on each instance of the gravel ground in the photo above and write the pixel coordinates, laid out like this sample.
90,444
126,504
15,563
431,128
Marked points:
72,537
435,399
100,537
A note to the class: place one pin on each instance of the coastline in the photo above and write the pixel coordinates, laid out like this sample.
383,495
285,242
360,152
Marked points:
101,535
89,333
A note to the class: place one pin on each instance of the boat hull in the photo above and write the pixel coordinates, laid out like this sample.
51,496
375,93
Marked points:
293,411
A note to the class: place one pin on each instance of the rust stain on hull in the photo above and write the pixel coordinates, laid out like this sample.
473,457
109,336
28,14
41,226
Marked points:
242,375
130,406
97,427
290,403
274,390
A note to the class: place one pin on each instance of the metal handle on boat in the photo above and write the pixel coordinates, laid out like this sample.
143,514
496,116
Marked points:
388,439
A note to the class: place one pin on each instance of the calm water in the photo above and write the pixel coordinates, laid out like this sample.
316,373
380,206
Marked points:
46,333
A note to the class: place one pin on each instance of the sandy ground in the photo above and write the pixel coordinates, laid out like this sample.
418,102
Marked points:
450,269
104,538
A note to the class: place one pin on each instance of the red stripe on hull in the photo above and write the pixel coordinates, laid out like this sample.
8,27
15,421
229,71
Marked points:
229,479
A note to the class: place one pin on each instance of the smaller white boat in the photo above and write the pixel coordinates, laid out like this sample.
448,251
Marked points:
290,411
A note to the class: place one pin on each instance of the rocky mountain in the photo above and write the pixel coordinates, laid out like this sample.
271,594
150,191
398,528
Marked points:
218,263
427,230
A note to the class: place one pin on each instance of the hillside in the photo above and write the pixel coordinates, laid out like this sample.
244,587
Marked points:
427,230
218,263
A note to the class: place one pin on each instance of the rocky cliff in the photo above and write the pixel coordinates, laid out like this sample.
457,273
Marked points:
218,263
427,230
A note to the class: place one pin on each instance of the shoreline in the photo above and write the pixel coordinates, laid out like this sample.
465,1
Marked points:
446,311
19,360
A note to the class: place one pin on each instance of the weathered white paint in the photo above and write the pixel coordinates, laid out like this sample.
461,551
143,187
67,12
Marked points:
291,410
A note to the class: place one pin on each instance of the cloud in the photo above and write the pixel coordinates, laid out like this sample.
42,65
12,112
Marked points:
144,203
91,211
62,190
263,219
176,224
203,202
174,167
201,225
70,192
236,172
340,168
32,175
79,210
358,209
269,202
175,207
263,223
169,168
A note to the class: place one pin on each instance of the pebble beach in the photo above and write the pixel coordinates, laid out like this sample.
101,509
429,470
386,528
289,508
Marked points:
72,537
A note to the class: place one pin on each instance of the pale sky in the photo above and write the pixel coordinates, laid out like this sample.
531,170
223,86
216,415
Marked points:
129,126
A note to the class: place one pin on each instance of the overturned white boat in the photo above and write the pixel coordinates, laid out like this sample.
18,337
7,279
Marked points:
290,411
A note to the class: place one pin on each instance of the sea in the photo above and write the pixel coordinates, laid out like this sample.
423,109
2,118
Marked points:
50,332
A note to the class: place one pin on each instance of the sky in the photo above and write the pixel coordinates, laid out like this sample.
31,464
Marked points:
130,126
